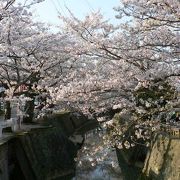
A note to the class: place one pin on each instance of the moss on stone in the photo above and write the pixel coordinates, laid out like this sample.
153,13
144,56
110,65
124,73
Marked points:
48,152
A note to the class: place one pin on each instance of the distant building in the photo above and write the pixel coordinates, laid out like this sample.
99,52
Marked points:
22,88
175,131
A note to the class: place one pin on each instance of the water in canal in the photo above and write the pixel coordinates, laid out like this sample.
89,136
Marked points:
96,161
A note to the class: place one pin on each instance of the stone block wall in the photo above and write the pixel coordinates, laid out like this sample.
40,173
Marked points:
4,161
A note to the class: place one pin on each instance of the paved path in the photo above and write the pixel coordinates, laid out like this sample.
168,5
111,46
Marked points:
24,129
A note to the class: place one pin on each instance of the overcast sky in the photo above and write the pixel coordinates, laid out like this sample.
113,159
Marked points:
47,11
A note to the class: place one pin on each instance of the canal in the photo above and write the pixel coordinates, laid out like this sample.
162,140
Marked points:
97,161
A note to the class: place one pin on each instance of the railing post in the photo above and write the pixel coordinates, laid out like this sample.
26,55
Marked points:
0,131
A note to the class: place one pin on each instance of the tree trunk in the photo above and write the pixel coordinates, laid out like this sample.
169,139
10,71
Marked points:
7,114
29,109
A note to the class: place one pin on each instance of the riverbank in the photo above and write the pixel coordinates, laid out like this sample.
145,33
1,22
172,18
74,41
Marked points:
42,151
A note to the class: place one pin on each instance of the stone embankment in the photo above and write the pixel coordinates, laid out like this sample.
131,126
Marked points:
163,161
43,151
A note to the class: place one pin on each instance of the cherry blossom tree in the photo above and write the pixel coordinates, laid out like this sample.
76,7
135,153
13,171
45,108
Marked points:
143,49
90,60
29,53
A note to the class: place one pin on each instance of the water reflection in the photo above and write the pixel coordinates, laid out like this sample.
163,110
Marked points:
96,161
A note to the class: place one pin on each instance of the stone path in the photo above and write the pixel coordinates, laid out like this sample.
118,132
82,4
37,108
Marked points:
24,129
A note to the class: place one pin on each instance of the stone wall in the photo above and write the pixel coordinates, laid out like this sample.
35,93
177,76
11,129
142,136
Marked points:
43,153
4,161
70,122
163,161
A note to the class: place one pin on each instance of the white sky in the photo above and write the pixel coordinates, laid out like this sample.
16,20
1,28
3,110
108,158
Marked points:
47,11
